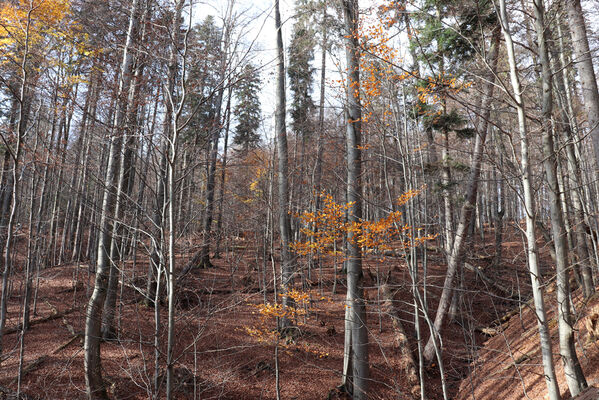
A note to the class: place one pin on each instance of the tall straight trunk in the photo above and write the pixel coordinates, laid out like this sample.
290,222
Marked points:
583,61
317,172
211,185
529,213
223,175
83,186
574,375
281,134
461,235
357,336
92,361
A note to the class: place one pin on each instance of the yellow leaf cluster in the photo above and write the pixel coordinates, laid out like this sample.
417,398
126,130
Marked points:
325,227
44,24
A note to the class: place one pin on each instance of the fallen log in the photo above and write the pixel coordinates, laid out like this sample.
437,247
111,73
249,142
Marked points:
497,325
35,364
51,317
499,287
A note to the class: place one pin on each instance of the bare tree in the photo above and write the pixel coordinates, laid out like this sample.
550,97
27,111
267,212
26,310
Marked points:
93,370
529,210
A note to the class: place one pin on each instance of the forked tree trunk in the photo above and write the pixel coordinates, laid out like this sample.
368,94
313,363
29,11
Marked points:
92,361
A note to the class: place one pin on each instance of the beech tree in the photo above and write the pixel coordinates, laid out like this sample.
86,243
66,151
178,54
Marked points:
423,208
355,354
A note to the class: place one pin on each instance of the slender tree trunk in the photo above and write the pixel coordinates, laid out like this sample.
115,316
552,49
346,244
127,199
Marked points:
223,176
531,245
125,181
171,151
92,360
576,192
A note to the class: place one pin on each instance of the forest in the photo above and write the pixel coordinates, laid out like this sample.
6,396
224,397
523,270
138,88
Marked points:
307,199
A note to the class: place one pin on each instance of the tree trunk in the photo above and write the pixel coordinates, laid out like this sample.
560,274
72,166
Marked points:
531,245
355,279
583,62
92,360
574,375
19,133
287,268
577,192
124,187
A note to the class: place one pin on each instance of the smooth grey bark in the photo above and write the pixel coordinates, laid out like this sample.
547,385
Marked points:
529,211
358,334
124,188
92,361
583,62
573,165
572,370
287,266
467,212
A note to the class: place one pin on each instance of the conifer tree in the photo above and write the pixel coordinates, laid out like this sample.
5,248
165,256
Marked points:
247,109
301,74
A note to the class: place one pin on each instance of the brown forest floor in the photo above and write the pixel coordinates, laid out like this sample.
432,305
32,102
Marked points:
218,359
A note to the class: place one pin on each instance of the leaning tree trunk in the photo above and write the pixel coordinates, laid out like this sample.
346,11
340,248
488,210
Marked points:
574,375
92,360
531,245
358,382
461,235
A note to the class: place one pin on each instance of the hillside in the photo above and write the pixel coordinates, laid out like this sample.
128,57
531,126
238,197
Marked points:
219,355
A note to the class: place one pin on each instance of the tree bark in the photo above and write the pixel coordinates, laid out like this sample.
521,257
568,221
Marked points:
574,375
355,279
531,245
92,361
287,268
583,62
